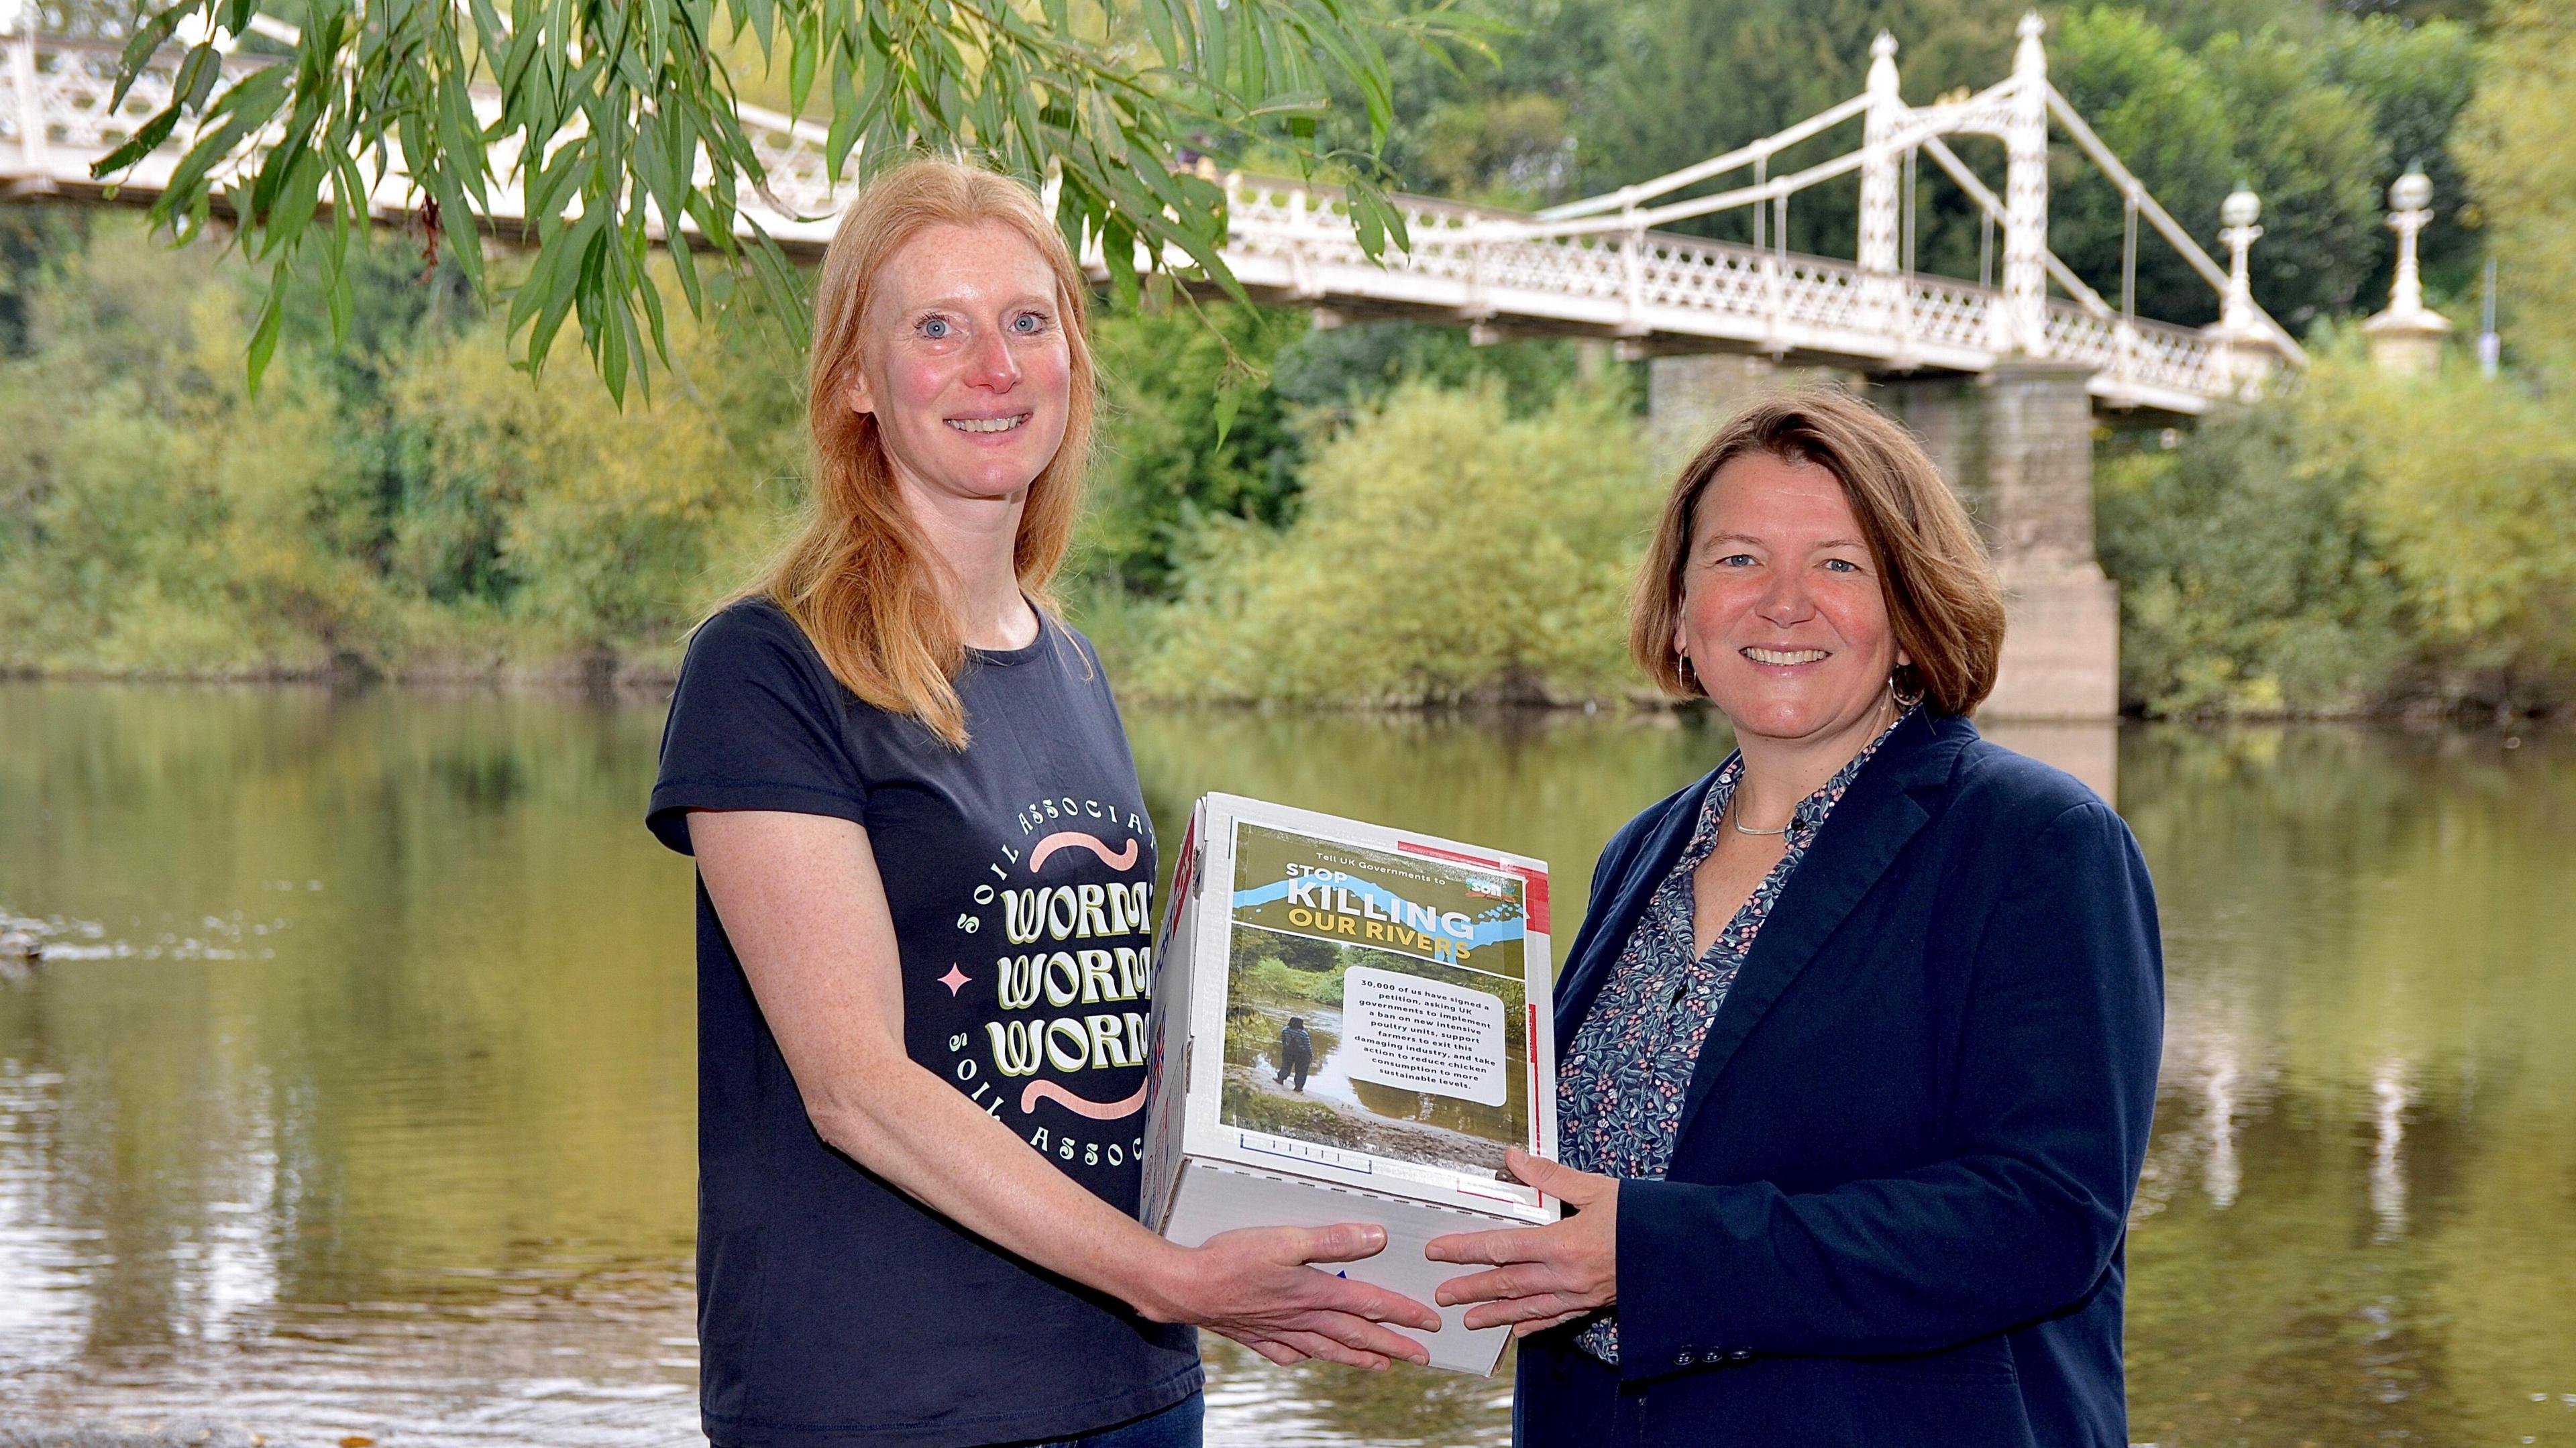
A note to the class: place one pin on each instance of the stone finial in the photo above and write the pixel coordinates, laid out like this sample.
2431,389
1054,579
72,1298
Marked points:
2406,340
2246,348
2237,215
2029,58
1882,64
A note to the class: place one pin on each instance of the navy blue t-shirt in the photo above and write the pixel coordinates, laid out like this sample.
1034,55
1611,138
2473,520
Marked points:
833,1309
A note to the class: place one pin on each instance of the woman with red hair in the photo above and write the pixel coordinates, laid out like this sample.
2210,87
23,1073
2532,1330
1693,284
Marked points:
924,909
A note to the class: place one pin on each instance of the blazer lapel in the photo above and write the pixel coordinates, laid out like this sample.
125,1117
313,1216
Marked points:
1607,922
1861,838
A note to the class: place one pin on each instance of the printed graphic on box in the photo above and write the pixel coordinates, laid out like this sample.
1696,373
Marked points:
1376,1001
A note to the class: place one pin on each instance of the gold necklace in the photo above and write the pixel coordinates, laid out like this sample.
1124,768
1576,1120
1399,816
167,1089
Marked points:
1737,820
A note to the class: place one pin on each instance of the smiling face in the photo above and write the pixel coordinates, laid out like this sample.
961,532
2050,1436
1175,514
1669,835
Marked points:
1783,615
962,358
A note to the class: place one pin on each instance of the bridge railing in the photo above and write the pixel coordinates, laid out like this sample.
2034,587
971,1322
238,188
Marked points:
1477,263
2144,356
54,94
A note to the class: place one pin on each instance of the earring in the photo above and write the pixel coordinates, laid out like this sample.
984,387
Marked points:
1690,675
1904,700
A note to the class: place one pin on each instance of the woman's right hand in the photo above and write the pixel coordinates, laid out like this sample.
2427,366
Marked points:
1253,1284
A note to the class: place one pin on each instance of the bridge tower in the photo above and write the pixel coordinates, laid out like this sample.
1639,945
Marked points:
2025,308
1880,251
2016,443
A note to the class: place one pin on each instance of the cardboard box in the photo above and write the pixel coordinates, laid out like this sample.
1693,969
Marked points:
1409,977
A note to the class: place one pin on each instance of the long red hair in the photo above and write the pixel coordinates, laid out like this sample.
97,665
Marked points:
859,577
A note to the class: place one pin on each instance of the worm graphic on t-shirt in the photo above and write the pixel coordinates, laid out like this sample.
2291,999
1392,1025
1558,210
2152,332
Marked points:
1097,1110
1117,860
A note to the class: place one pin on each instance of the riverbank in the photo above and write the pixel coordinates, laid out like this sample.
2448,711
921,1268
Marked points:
657,673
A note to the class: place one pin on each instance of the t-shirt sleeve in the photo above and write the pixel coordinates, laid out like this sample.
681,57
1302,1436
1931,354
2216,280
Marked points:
755,724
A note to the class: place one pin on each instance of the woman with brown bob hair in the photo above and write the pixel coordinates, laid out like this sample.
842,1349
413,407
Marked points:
1861,1028
925,915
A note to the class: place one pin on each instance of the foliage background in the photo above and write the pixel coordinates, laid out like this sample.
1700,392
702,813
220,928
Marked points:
1381,513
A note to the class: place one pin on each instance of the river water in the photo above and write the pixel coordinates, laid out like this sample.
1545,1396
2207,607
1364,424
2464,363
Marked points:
357,1098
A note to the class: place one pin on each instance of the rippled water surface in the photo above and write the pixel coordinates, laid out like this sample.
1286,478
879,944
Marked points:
355,1097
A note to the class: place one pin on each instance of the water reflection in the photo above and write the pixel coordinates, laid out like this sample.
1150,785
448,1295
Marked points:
2387,1170
2357,1225
360,1100
363,1099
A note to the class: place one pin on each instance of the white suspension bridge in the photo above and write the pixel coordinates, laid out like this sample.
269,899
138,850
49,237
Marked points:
1601,267
2000,377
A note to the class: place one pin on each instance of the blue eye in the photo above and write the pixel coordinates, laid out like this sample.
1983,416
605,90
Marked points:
1733,560
936,328
1843,565
1028,324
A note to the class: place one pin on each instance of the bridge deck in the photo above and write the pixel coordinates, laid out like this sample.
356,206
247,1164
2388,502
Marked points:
1657,291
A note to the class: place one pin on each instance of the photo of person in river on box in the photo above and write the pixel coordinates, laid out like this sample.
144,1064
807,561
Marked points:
1359,1013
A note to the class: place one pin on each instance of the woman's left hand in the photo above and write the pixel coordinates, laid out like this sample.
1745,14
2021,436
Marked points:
1542,1276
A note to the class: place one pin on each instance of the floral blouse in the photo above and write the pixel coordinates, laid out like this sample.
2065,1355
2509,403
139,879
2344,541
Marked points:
1619,1090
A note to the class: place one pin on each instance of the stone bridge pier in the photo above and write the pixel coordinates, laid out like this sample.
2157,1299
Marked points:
2016,443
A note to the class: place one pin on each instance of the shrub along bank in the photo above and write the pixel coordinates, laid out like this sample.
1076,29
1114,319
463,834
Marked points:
2359,545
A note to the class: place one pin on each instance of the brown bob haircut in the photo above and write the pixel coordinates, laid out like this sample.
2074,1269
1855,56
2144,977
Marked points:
1944,603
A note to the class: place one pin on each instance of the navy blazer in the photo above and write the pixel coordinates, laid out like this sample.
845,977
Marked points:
1903,1169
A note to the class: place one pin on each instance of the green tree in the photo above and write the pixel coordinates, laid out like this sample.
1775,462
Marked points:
1485,117
588,533
31,237
1191,430
2364,542
2311,149
398,504
1206,417
2317,117
2159,109
1508,150
1331,373
2417,77
1444,550
2513,149
2247,580
2471,497
148,520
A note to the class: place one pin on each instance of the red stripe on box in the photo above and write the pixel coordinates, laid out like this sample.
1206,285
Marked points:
1536,1146
1181,873
1410,848
1534,898
1533,882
